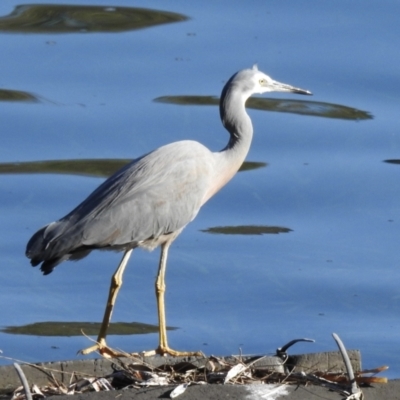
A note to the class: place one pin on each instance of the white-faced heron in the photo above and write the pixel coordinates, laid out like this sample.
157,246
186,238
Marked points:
149,201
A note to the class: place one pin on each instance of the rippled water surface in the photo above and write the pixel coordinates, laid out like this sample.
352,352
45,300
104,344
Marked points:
303,242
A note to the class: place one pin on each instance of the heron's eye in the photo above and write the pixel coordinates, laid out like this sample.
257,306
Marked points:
262,81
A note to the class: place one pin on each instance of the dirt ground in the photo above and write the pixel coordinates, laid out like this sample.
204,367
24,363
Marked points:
390,391
40,374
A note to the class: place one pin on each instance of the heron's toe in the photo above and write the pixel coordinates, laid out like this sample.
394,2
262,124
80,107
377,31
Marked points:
162,350
103,349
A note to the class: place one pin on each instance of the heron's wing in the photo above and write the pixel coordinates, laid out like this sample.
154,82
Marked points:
157,194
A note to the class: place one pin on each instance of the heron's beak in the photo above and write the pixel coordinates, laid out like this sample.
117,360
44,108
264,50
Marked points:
283,87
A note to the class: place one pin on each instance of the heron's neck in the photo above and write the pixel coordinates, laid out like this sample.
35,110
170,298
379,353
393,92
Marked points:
238,124
230,159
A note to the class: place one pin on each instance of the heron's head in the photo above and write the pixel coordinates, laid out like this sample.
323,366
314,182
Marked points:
245,83
253,81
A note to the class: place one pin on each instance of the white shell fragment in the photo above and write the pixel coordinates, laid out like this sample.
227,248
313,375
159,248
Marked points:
234,371
179,390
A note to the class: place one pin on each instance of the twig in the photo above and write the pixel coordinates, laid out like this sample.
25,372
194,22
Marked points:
24,381
323,382
355,391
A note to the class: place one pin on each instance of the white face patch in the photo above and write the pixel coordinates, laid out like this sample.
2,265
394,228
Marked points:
263,83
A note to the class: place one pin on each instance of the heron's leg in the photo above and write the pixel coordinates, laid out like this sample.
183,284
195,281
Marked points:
116,283
160,296
160,291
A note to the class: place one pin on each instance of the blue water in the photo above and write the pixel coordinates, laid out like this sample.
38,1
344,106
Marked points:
326,179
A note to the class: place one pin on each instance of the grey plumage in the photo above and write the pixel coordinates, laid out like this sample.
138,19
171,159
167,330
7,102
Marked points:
132,208
149,201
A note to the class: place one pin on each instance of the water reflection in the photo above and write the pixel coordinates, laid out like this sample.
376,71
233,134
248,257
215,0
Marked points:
96,168
75,328
247,230
52,18
392,161
302,107
17,95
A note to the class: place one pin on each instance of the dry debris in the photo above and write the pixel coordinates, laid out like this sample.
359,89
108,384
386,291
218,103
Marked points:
133,372
217,371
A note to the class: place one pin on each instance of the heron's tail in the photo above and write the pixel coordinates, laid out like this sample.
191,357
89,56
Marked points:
37,251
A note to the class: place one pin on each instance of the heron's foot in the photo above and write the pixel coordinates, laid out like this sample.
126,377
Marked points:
103,349
162,350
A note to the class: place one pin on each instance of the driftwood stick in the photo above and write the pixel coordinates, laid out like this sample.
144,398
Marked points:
24,381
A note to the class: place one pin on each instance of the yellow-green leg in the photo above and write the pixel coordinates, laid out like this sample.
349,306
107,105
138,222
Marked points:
163,347
116,283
